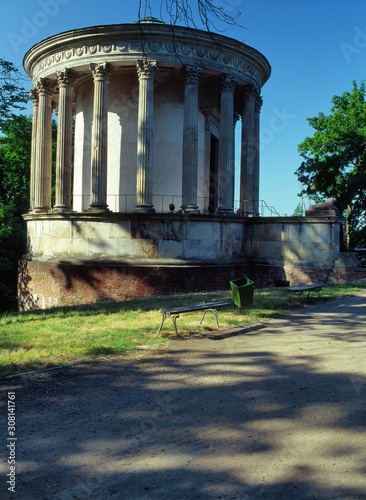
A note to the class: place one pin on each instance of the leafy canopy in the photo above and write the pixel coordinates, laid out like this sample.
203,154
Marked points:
335,156
12,94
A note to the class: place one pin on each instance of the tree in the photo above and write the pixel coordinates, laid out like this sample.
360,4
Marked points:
207,12
12,94
298,212
15,154
335,159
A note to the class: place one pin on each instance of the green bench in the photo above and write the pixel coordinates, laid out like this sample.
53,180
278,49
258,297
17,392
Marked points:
300,290
177,311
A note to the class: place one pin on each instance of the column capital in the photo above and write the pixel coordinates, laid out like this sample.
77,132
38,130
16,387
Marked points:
65,77
258,103
146,69
45,86
249,93
228,82
34,97
101,72
192,74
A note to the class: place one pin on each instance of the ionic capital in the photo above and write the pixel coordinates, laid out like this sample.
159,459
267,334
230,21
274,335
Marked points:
65,77
146,69
44,86
192,74
101,71
228,82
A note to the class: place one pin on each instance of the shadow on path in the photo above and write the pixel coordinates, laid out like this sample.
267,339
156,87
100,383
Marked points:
275,412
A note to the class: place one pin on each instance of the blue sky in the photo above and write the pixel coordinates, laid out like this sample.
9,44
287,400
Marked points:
316,49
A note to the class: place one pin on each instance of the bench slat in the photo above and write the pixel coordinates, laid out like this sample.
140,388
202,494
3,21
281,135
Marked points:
304,288
207,306
200,307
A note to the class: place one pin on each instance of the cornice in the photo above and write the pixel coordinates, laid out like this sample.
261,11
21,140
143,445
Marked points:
120,44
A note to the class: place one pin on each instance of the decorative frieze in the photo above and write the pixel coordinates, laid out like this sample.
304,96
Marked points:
136,49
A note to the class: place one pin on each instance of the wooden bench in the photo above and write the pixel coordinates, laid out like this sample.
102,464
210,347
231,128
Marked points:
300,290
207,306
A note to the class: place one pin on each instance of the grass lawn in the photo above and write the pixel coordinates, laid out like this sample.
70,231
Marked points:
42,339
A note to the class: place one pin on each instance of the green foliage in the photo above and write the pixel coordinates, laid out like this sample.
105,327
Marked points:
12,94
335,156
298,212
15,153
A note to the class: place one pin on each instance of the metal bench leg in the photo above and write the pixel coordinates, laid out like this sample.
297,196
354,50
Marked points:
203,315
162,321
215,313
174,318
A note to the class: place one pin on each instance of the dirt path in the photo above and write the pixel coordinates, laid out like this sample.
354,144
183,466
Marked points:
274,410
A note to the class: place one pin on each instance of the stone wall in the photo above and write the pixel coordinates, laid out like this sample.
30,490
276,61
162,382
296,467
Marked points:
85,237
309,242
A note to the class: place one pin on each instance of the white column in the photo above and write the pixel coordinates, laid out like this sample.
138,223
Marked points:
190,140
146,71
34,98
226,176
247,167
257,108
65,80
43,155
101,74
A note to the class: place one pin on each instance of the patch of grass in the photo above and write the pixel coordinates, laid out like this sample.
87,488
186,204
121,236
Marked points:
47,338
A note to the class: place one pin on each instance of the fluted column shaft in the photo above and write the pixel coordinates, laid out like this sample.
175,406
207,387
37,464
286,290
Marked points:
146,71
43,155
34,98
98,200
247,167
257,109
226,168
65,80
190,140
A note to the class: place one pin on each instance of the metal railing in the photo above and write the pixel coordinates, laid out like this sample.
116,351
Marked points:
163,203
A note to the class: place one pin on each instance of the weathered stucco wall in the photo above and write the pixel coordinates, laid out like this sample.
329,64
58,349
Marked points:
130,237
306,241
273,241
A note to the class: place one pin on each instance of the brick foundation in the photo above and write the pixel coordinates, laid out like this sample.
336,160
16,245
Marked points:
42,285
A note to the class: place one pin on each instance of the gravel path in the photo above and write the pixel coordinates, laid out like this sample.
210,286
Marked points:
272,410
